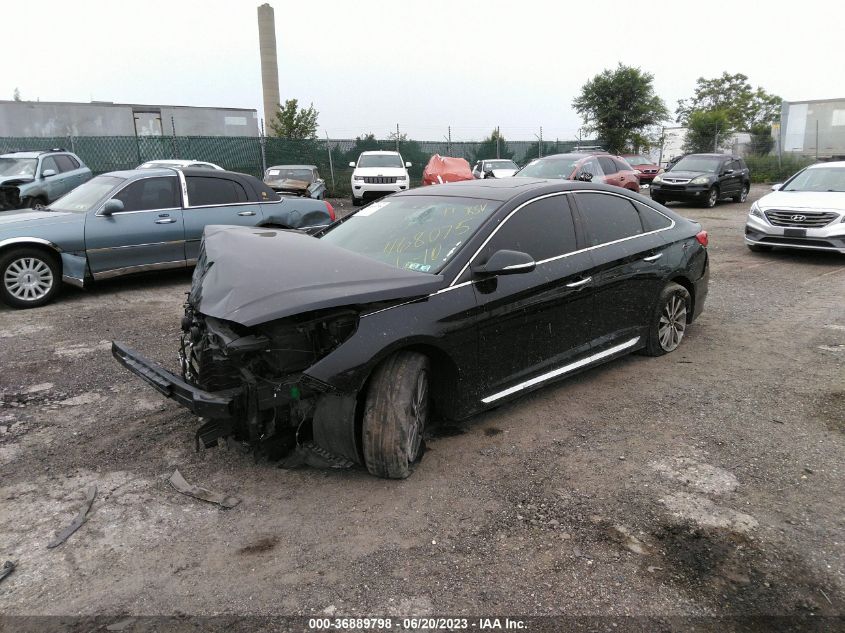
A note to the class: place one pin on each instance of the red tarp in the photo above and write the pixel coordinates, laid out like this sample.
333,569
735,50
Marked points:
445,169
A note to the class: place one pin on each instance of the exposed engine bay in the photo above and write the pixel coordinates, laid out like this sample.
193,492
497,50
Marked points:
10,195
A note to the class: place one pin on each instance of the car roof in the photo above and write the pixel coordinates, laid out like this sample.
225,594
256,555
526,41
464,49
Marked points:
175,161
24,153
292,167
505,188
712,155
379,151
839,164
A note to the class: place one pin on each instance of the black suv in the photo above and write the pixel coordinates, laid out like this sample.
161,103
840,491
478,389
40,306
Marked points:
703,178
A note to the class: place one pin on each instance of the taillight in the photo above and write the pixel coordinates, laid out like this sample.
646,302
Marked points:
330,209
701,236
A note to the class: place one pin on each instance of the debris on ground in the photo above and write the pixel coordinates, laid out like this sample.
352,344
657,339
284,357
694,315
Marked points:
197,492
80,519
7,568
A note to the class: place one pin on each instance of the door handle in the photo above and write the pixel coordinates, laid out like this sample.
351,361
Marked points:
578,284
247,213
653,258
165,220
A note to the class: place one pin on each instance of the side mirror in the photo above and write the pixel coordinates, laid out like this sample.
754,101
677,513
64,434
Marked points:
112,206
777,186
408,164
352,165
727,172
505,262
48,172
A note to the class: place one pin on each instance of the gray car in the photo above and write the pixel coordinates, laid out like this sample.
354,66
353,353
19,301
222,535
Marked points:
134,221
35,179
300,180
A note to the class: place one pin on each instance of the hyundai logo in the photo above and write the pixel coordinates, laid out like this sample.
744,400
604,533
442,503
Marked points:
798,218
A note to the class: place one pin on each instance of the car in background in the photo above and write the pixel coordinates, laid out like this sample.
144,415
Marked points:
602,168
299,180
703,179
645,167
455,299
176,163
494,168
135,221
440,169
377,174
806,212
33,179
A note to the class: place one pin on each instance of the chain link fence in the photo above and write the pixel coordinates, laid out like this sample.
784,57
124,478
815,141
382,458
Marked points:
252,155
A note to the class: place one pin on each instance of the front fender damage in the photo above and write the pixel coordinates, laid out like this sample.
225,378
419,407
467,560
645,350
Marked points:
10,197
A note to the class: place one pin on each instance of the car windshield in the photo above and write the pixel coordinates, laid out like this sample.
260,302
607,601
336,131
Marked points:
817,179
280,173
500,164
559,167
24,167
380,160
633,161
86,195
698,163
419,233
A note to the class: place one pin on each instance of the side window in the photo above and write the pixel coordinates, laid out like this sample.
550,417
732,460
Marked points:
620,166
592,166
316,175
543,229
734,164
608,217
652,220
203,190
150,193
607,165
65,162
49,163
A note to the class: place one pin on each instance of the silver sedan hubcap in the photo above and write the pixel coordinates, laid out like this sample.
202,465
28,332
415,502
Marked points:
673,323
419,413
28,279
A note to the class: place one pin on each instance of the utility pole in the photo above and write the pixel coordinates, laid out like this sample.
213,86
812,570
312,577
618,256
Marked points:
716,142
497,142
449,142
540,146
817,139
262,142
397,137
331,166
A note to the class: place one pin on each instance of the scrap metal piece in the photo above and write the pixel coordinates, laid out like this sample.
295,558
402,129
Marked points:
80,519
309,454
197,492
7,568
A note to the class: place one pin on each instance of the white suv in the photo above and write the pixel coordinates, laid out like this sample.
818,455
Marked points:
377,174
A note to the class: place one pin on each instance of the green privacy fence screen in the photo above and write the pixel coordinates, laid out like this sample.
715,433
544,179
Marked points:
244,154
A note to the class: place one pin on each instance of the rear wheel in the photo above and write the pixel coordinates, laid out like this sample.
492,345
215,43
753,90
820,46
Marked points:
29,277
742,194
758,248
712,197
669,321
396,414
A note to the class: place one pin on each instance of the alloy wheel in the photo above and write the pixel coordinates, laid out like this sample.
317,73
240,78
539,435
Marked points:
28,279
672,324
744,194
419,413
712,197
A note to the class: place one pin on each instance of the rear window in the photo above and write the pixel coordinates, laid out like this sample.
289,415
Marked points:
205,191
652,220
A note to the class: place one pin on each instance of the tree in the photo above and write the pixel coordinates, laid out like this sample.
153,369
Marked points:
532,151
705,130
744,105
494,146
761,139
294,122
17,95
619,106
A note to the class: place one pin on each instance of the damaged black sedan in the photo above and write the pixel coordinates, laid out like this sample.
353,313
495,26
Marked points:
343,345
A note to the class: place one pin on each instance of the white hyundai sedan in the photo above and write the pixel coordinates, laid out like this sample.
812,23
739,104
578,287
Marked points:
807,211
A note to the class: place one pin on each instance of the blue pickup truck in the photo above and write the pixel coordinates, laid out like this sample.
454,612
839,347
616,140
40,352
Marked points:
127,222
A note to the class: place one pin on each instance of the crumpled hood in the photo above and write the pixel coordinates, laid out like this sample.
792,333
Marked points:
15,180
287,184
815,200
251,276
16,219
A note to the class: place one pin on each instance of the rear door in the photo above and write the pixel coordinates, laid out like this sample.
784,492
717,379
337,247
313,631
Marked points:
628,257
533,322
733,180
71,174
147,235
611,171
215,200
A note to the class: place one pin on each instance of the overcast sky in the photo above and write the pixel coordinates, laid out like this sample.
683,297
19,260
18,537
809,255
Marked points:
368,65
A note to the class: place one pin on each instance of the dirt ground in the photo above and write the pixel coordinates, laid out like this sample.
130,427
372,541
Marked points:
706,482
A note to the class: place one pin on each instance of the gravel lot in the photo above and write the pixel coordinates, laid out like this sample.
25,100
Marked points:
707,482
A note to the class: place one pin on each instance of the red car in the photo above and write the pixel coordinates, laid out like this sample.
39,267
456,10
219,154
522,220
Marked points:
645,167
605,168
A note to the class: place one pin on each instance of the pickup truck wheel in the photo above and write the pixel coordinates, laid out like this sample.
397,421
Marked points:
742,194
29,278
395,415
